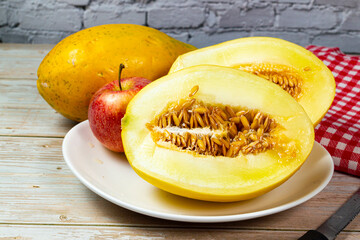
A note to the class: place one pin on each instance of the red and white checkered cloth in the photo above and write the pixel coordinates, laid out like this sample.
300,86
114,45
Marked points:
339,131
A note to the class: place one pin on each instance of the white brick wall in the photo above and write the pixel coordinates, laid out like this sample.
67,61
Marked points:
314,18
198,22
175,18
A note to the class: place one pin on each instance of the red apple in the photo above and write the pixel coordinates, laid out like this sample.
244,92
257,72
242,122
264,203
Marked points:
107,108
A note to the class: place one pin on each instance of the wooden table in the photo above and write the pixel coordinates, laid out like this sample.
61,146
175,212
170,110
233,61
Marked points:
40,198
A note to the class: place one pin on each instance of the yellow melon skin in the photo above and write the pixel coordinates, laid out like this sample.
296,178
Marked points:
210,178
318,84
85,61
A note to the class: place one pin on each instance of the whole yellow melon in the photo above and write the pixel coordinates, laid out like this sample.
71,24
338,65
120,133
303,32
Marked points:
83,62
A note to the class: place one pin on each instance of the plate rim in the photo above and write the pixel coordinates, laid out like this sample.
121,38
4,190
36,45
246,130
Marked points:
189,218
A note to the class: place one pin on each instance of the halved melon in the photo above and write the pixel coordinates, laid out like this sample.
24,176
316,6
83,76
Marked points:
215,133
295,69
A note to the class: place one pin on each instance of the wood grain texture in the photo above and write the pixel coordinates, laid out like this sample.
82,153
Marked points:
21,61
27,232
23,112
40,198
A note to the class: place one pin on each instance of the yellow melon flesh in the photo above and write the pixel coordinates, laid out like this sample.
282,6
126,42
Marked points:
317,81
217,178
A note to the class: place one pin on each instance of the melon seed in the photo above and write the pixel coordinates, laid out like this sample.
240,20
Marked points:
213,130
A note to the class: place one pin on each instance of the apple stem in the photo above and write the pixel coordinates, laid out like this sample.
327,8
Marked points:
121,67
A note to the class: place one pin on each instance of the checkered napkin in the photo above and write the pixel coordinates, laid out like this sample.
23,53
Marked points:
339,131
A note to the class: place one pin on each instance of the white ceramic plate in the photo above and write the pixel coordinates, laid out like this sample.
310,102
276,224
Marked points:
109,175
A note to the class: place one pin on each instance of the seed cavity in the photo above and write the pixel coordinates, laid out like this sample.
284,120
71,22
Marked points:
284,76
191,125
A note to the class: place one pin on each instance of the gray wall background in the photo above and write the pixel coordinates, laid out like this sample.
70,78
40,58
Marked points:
201,23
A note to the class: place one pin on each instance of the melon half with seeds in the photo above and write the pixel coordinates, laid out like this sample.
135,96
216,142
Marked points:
215,133
298,71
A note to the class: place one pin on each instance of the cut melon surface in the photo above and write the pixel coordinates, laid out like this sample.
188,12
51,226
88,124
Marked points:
280,61
196,174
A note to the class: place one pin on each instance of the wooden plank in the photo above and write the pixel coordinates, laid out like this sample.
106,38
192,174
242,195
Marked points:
21,61
17,49
102,232
24,112
37,187
33,122
19,68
